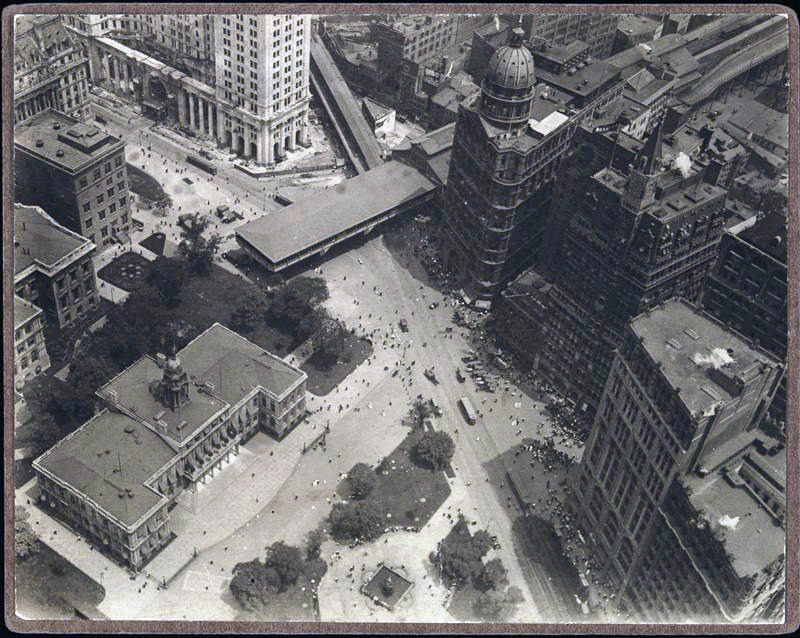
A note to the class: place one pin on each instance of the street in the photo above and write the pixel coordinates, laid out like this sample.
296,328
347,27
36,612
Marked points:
248,505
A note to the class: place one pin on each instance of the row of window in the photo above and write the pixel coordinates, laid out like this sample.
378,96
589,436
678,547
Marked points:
112,208
29,343
84,181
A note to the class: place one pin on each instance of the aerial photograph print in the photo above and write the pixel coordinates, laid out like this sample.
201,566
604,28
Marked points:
324,319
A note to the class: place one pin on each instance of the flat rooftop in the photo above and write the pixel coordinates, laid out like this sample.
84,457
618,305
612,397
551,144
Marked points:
376,109
409,24
769,235
753,117
24,311
676,336
234,366
109,459
754,541
324,215
220,353
561,54
583,81
634,25
528,282
39,238
436,141
675,201
63,141
134,387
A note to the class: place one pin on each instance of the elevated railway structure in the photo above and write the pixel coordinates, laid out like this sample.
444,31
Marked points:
344,111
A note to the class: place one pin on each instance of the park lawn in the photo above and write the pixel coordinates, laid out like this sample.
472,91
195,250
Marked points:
45,579
402,484
206,299
321,381
287,606
155,243
144,184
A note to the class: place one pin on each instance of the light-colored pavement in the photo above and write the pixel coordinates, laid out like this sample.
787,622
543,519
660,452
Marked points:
365,413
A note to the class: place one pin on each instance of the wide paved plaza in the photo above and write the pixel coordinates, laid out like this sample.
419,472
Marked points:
272,491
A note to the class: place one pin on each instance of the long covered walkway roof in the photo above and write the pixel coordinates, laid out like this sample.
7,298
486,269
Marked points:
331,213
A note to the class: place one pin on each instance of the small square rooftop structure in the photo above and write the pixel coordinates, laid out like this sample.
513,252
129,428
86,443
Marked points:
547,125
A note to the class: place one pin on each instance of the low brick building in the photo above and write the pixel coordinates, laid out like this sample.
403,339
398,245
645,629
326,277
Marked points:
53,266
30,352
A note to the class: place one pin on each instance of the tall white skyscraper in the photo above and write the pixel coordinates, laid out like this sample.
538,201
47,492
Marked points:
248,75
262,77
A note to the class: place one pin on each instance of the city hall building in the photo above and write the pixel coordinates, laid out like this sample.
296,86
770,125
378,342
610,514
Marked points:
167,423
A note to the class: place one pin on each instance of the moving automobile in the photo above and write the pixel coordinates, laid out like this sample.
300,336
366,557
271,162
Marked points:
468,410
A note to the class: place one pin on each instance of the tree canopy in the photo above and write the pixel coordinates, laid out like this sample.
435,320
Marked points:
195,248
292,308
362,480
287,561
167,276
458,558
493,575
356,521
26,543
434,450
330,339
421,409
254,584
249,311
498,605
314,540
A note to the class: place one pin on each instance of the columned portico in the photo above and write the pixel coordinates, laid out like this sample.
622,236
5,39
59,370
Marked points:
264,138
115,63
210,118
106,67
182,109
192,118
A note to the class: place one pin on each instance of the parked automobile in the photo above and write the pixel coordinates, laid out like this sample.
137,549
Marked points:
460,377
403,325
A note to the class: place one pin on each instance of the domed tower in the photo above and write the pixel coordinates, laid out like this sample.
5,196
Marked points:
508,87
174,384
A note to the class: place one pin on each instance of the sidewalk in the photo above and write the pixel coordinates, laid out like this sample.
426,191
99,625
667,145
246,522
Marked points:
236,494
